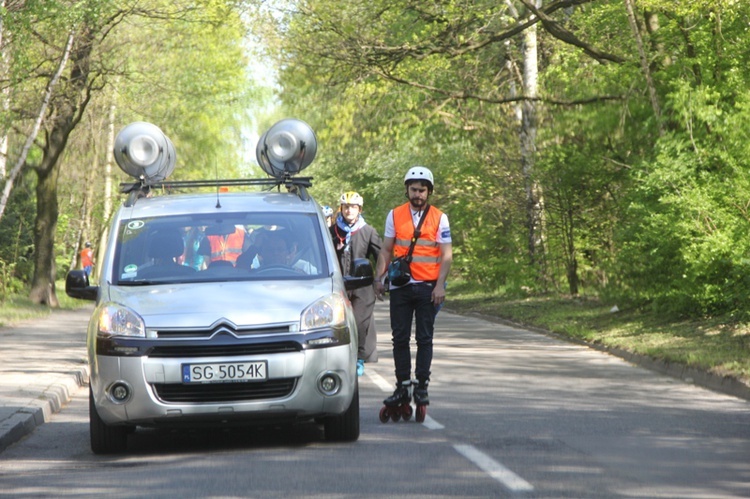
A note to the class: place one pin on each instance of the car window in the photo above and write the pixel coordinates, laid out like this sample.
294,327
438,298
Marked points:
240,246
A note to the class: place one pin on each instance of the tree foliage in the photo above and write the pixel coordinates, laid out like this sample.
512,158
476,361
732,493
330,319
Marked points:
640,153
636,159
181,65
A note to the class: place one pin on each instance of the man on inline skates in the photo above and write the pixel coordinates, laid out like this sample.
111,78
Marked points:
419,233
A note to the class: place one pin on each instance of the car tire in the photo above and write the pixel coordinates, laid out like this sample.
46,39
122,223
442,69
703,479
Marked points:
105,439
345,427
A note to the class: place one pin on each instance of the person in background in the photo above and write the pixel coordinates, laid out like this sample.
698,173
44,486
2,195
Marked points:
87,258
354,238
328,214
421,297
193,256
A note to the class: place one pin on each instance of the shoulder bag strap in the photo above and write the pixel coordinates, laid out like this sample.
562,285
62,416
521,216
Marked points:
417,233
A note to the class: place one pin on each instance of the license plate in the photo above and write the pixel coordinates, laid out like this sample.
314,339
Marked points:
224,372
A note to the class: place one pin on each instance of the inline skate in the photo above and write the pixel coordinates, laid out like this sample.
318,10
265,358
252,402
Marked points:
421,400
397,406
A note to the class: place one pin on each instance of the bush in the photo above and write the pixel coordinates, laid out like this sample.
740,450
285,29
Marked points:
9,283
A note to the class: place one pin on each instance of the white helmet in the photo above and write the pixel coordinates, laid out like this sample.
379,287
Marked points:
352,197
419,173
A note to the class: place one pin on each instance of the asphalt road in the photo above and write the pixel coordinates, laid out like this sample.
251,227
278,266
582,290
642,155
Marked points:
514,414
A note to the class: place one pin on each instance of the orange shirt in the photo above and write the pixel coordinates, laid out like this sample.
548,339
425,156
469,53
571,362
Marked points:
87,257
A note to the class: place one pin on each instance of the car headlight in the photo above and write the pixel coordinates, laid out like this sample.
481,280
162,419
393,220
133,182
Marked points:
326,312
118,320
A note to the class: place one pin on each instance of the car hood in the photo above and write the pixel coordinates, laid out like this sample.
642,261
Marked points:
201,305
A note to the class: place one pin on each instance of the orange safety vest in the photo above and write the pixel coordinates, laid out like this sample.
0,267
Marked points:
425,263
227,247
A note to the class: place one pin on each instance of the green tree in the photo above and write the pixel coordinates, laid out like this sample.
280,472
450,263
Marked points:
437,79
115,63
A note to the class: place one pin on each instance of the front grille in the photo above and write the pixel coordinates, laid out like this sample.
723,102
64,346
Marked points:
221,328
223,350
224,392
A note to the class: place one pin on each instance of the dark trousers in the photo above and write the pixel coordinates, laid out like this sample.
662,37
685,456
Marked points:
363,304
412,302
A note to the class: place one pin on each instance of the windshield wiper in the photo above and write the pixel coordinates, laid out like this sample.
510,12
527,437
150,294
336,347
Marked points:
140,283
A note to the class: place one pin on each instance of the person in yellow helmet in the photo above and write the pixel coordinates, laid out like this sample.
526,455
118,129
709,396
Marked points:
355,238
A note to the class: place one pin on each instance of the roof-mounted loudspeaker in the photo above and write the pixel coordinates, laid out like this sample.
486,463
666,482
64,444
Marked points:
144,152
287,148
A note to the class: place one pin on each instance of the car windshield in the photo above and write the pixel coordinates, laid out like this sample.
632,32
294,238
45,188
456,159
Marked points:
201,248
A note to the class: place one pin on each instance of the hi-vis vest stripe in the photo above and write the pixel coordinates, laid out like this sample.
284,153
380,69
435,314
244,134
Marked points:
425,263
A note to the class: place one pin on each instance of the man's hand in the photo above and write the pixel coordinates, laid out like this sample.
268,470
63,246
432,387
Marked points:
379,289
438,294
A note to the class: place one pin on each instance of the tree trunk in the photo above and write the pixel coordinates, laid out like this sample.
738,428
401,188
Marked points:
108,180
645,66
571,258
89,192
68,109
528,142
43,282
21,162
4,96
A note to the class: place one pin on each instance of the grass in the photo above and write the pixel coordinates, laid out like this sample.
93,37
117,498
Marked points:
18,308
718,345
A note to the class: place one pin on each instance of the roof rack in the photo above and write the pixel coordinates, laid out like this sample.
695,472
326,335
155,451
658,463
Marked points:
136,190
143,151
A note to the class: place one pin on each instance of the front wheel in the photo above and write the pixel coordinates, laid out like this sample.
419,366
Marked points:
384,414
344,427
105,439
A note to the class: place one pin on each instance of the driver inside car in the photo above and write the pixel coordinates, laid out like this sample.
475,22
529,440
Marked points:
274,248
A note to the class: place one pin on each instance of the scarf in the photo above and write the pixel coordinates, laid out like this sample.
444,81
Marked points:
348,230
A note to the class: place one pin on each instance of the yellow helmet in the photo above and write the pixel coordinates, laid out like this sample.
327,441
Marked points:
351,197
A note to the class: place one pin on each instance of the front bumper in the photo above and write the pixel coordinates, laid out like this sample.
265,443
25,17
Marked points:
157,395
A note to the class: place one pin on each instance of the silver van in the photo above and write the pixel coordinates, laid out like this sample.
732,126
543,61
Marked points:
226,307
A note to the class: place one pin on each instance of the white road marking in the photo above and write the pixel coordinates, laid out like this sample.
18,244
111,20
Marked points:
506,477
431,424
379,380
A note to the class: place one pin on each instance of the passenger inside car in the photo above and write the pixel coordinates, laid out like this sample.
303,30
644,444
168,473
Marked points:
225,244
163,250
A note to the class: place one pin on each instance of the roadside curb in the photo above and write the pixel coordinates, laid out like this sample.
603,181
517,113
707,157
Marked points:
723,384
40,410
727,385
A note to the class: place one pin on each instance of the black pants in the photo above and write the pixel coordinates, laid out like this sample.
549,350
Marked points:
412,302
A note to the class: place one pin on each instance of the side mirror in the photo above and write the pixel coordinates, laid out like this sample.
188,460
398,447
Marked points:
77,286
361,276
